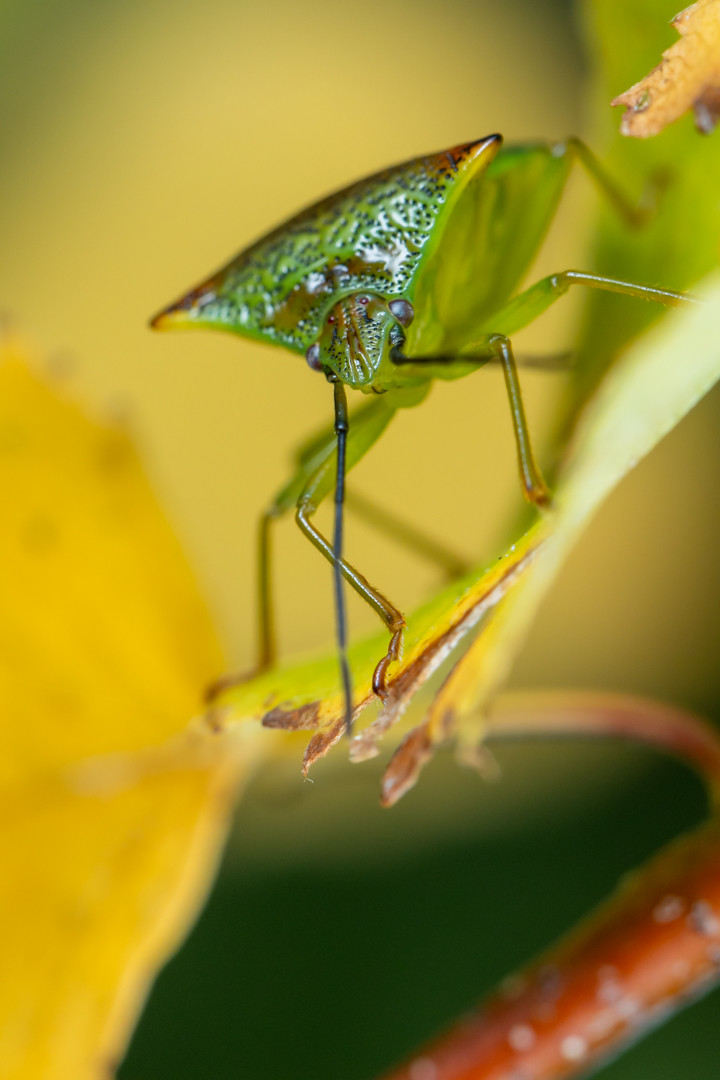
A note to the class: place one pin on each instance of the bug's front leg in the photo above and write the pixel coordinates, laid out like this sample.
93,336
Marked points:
390,615
314,473
365,428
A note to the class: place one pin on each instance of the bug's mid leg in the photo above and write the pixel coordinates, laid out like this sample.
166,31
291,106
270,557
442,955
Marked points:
389,614
492,347
534,487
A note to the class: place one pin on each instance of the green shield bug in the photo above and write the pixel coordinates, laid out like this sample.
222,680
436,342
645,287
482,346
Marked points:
407,276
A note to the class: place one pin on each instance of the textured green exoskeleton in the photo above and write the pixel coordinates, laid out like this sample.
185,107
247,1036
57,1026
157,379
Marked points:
399,279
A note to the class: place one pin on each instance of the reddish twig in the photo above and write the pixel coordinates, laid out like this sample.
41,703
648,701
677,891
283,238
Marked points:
589,713
639,958
644,954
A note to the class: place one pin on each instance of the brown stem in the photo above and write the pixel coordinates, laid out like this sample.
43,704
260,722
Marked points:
639,958
648,950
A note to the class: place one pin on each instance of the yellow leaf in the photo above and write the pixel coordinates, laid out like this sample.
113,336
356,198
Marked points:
103,630
98,888
687,77
111,814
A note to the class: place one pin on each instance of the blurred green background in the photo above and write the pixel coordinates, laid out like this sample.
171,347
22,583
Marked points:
141,145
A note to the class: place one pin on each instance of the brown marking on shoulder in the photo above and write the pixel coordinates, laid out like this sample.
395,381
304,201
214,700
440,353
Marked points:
461,153
452,160
317,287
300,301
358,266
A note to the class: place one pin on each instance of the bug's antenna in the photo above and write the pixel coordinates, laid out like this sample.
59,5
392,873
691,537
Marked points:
342,426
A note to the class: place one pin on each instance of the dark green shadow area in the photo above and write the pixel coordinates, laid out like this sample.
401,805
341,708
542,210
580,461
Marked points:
315,971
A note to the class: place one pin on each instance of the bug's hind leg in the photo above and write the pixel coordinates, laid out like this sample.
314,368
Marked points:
634,214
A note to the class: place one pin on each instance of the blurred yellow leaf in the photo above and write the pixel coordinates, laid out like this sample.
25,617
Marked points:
111,815
687,77
98,888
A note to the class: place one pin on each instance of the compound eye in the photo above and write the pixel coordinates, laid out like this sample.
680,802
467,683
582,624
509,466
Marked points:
313,357
402,310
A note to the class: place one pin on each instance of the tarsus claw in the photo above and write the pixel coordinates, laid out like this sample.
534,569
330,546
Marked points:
379,681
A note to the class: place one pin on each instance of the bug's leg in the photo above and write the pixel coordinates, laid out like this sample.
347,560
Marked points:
266,640
322,442
526,307
413,538
361,437
633,214
368,424
533,485
560,283
492,347
314,481
387,611
562,360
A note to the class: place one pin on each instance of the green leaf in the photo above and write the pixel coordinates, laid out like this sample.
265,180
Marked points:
680,246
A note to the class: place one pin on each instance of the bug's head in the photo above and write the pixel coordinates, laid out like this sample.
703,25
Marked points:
357,335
